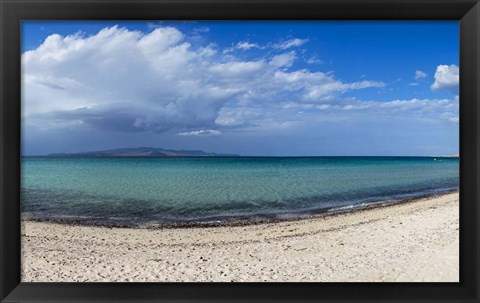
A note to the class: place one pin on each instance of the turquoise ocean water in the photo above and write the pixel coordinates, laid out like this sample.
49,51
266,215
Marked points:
152,191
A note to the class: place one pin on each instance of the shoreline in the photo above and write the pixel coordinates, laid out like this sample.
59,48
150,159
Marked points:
406,242
243,220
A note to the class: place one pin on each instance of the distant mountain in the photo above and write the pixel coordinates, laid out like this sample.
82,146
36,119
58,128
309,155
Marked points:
142,152
448,156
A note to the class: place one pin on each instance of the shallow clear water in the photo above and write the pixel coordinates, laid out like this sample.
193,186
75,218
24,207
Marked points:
149,191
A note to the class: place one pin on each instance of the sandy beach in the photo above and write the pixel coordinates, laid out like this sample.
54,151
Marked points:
408,242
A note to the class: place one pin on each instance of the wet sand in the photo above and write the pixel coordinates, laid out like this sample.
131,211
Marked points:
406,242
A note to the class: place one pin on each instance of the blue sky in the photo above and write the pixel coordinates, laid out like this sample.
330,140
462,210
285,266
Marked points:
251,88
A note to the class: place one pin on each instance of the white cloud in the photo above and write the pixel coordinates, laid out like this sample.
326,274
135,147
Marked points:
285,60
323,106
314,60
202,132
238,68
413,84
203,29
420,75
327,90
121,79
240,116
433,109
154,24
446,77
295,113
245,45
295,42
242,45
130,81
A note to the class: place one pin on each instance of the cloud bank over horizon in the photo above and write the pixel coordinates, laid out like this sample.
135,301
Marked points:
163,83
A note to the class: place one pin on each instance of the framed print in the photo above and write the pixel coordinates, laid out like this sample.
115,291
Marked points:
239,151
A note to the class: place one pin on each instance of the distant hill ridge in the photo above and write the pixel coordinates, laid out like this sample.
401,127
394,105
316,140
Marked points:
448,156
141,152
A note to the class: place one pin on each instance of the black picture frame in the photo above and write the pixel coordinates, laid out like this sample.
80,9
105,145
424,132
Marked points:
12,12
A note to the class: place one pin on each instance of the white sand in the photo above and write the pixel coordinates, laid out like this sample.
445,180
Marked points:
416,241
